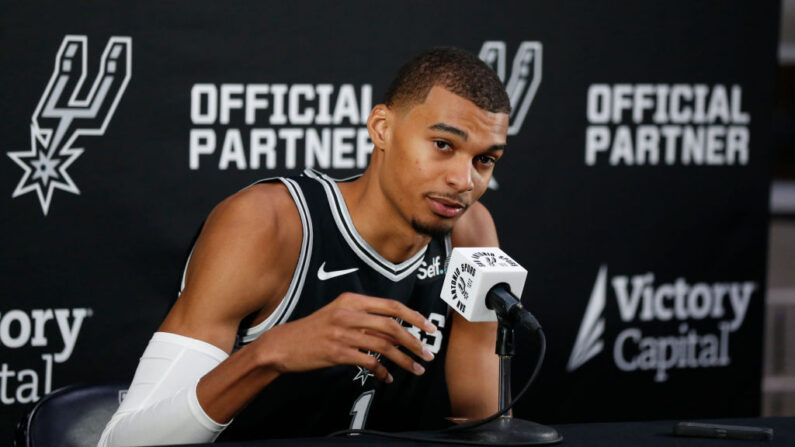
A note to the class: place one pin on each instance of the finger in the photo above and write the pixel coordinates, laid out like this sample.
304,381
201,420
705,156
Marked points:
388,350
384,306
370,363
395,331
382,335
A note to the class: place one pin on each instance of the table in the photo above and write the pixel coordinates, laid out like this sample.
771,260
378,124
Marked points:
614,434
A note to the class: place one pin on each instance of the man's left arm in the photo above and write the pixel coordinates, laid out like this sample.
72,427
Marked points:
472,367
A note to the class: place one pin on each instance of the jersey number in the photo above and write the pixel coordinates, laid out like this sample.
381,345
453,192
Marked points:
361,406
432,341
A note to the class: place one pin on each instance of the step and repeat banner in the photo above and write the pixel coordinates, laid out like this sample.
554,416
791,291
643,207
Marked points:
634,189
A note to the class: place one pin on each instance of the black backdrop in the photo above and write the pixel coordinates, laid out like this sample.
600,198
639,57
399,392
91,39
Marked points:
645,242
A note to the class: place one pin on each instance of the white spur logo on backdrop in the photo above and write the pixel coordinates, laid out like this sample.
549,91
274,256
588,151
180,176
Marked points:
522,82
61,117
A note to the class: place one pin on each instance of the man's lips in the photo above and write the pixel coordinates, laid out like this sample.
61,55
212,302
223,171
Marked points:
446,207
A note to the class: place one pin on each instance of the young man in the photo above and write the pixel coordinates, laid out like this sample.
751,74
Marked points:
310,306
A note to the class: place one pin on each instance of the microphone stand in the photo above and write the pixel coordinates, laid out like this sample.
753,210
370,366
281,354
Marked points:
505,350
505,430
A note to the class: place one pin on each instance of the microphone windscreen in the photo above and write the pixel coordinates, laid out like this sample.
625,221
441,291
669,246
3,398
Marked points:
470,274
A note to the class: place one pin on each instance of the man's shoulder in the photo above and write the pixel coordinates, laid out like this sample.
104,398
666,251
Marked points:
241,263
260,210
475,228
256,202
259,225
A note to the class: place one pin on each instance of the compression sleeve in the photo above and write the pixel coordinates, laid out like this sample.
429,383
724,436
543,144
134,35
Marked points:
161,406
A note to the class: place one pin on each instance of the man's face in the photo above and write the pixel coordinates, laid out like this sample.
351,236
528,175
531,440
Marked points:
439,159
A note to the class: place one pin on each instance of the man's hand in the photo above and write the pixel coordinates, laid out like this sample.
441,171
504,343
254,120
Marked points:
338,333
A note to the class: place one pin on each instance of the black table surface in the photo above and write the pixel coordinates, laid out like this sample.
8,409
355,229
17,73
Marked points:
613,434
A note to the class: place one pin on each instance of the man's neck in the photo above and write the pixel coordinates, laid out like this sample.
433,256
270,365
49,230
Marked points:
378,221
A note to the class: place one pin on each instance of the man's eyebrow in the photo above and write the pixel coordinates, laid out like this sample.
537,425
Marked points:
456,131
448,128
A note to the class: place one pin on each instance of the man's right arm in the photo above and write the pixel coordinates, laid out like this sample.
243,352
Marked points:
242,264
233,272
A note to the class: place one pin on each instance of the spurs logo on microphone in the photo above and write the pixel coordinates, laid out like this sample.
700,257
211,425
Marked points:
702,317
460,284
484,258
61,117
490,259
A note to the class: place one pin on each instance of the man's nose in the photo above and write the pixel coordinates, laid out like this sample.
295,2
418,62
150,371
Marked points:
459,175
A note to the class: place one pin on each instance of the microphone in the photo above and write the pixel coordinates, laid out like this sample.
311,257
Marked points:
482,284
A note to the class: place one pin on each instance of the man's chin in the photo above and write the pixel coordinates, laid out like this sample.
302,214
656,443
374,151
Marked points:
434,230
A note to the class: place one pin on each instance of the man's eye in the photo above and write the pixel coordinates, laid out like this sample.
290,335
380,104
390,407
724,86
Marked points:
485,160
442,145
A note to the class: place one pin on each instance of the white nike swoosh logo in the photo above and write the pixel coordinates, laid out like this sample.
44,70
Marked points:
324,275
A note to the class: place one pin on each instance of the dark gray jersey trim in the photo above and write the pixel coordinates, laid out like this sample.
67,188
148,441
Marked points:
288,303
394,272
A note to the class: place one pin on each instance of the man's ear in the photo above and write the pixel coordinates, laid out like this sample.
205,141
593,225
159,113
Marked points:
379,126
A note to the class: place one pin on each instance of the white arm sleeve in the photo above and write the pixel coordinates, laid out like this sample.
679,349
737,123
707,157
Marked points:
161,406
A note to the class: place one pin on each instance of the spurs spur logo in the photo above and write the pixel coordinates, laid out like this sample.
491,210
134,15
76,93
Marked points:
522,82
61,117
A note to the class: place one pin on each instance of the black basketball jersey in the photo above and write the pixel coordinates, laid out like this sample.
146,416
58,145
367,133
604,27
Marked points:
334,259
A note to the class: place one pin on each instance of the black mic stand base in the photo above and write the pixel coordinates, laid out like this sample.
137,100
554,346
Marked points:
502,431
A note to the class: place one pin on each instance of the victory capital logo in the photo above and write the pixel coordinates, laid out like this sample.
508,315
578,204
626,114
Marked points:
695,321
61,117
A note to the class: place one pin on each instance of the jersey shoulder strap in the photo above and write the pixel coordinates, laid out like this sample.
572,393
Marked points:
247,333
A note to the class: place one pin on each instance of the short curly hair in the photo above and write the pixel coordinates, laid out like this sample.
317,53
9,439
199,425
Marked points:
457,70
